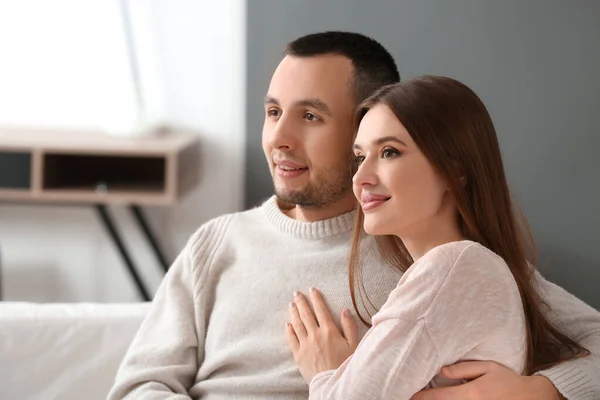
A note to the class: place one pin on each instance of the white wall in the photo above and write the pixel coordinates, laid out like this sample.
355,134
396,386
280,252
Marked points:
62,253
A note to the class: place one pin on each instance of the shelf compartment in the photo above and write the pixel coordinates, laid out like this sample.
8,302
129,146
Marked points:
103,174
15,171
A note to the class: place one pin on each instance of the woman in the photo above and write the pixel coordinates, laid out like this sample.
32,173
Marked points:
430,184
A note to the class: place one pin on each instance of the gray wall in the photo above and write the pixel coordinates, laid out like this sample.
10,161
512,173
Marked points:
535,63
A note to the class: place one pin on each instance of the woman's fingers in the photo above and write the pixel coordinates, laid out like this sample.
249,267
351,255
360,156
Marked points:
306,314
321,310
297,323
292,339
350,328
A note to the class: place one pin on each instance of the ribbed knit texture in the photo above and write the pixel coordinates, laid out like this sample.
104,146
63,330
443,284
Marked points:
216,326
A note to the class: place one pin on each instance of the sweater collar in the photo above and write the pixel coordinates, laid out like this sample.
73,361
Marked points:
307,230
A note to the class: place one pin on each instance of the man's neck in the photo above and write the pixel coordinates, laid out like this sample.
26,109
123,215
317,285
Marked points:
312,214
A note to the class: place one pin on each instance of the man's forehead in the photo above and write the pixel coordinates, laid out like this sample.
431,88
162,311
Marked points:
326,78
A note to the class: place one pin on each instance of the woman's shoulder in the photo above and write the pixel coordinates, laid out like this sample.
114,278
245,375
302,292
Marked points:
463,254
452,269
469,266
453,251
459,262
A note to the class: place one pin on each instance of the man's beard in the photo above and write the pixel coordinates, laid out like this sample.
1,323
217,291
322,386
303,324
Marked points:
326,189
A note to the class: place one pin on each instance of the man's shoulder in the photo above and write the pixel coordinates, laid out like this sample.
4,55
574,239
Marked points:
221,224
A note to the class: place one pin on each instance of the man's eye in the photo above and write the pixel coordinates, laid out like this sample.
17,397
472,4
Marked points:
311,117
273,112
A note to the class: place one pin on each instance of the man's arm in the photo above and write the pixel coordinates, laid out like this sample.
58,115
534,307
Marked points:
164,357
576,379
490,381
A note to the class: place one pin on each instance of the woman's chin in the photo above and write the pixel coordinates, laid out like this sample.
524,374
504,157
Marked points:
375,229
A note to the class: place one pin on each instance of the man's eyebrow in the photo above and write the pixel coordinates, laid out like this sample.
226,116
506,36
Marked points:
381,141
271,100
314,103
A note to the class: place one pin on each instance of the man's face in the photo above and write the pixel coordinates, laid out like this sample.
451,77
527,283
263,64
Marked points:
308,130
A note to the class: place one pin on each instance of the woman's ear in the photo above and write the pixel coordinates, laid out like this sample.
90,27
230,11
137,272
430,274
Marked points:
462,180
460,171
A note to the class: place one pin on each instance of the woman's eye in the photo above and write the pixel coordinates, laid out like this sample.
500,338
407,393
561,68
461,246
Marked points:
311,117
359,159
389,153
273,112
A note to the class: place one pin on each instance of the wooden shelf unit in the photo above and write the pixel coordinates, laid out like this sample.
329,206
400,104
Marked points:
92,167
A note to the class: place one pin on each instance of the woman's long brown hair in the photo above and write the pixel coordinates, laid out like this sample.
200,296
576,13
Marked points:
452,127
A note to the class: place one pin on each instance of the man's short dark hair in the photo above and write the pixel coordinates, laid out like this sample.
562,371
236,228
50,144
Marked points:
374,66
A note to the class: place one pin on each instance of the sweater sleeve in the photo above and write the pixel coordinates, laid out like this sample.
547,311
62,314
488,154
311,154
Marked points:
432,319
396,359
577,379
164,357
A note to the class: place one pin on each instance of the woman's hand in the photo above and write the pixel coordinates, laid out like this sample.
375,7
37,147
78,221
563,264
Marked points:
317,343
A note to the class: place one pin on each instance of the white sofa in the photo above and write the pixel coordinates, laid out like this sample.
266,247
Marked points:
63,351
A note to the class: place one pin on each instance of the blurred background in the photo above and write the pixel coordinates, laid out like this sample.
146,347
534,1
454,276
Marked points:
206,66
67,63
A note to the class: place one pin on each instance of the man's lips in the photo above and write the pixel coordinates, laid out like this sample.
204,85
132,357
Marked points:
288,165
288,169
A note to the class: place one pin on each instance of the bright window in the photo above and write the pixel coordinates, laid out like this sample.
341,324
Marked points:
65,63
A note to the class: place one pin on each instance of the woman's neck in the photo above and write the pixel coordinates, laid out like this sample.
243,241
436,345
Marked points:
439,230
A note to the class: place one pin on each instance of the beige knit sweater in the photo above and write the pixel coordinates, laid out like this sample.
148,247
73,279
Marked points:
216,326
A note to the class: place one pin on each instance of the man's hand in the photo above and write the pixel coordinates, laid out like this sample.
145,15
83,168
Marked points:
491,381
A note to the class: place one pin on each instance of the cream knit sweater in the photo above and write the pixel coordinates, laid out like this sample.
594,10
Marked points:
216,326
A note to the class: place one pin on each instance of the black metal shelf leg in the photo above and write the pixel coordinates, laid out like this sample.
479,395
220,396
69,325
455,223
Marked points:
116,238
0,274
143,223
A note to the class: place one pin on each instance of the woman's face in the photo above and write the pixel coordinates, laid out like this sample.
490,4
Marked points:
398,189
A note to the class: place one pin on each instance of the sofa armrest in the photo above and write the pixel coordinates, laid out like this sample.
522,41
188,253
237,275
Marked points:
64,351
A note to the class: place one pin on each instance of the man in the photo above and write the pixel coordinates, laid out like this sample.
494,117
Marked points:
216,327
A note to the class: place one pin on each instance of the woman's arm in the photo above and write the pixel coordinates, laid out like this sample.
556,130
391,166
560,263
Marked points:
437,315
394,361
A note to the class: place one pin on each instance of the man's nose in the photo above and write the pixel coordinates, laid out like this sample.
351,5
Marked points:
283,137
